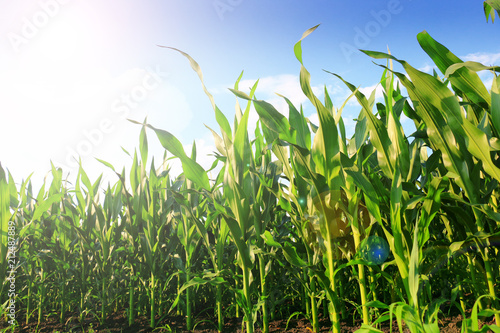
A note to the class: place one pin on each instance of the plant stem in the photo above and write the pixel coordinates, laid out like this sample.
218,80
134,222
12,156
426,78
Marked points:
188,302
305,301
265,317
61,316
246,291
178,288
82,291
490,279
334,316
41,293
103,298
314,306
361,268
237,307
487,265
28,303
152,301
220,318
131,312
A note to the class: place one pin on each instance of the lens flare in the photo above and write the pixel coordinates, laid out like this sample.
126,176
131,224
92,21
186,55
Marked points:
375,250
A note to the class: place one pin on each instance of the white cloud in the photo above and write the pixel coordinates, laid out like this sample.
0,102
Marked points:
427,68
367,91
286,85
487,59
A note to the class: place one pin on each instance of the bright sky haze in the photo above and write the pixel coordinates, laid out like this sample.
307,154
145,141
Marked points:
73,71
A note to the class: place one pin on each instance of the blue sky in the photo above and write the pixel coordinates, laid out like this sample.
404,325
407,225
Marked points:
73,71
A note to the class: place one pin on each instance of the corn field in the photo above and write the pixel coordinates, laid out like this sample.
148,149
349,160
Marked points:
301,220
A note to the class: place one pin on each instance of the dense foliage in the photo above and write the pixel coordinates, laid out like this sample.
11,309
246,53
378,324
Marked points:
300,219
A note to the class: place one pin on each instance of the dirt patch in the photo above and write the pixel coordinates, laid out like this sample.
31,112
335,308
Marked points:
117,322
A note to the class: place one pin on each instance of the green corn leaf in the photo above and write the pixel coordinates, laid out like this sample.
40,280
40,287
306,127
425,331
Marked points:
490,6
326,142
219,143
304,165
326,146
292,256
297,49
46,204
413,274
237,230
365,328
474,314
399,144
135,173
13,189
495,104
275,121
241,145
369,193
219,116
440,111
378,131
268,238
109,165
396,239
472,65
193,151
197,69
85,179
431,206
240,94
435,93
493,328
465,80
55,186
198,281
377,304
299,123
5,217
192,170
143,145
361,132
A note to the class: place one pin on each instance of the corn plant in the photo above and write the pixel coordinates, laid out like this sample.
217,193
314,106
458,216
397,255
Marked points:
298,212
456,132
490,7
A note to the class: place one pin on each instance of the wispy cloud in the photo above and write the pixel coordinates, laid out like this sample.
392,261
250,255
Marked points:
487,59
427,68
367,91
287,85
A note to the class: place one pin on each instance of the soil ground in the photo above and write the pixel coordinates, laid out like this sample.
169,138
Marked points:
117,322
